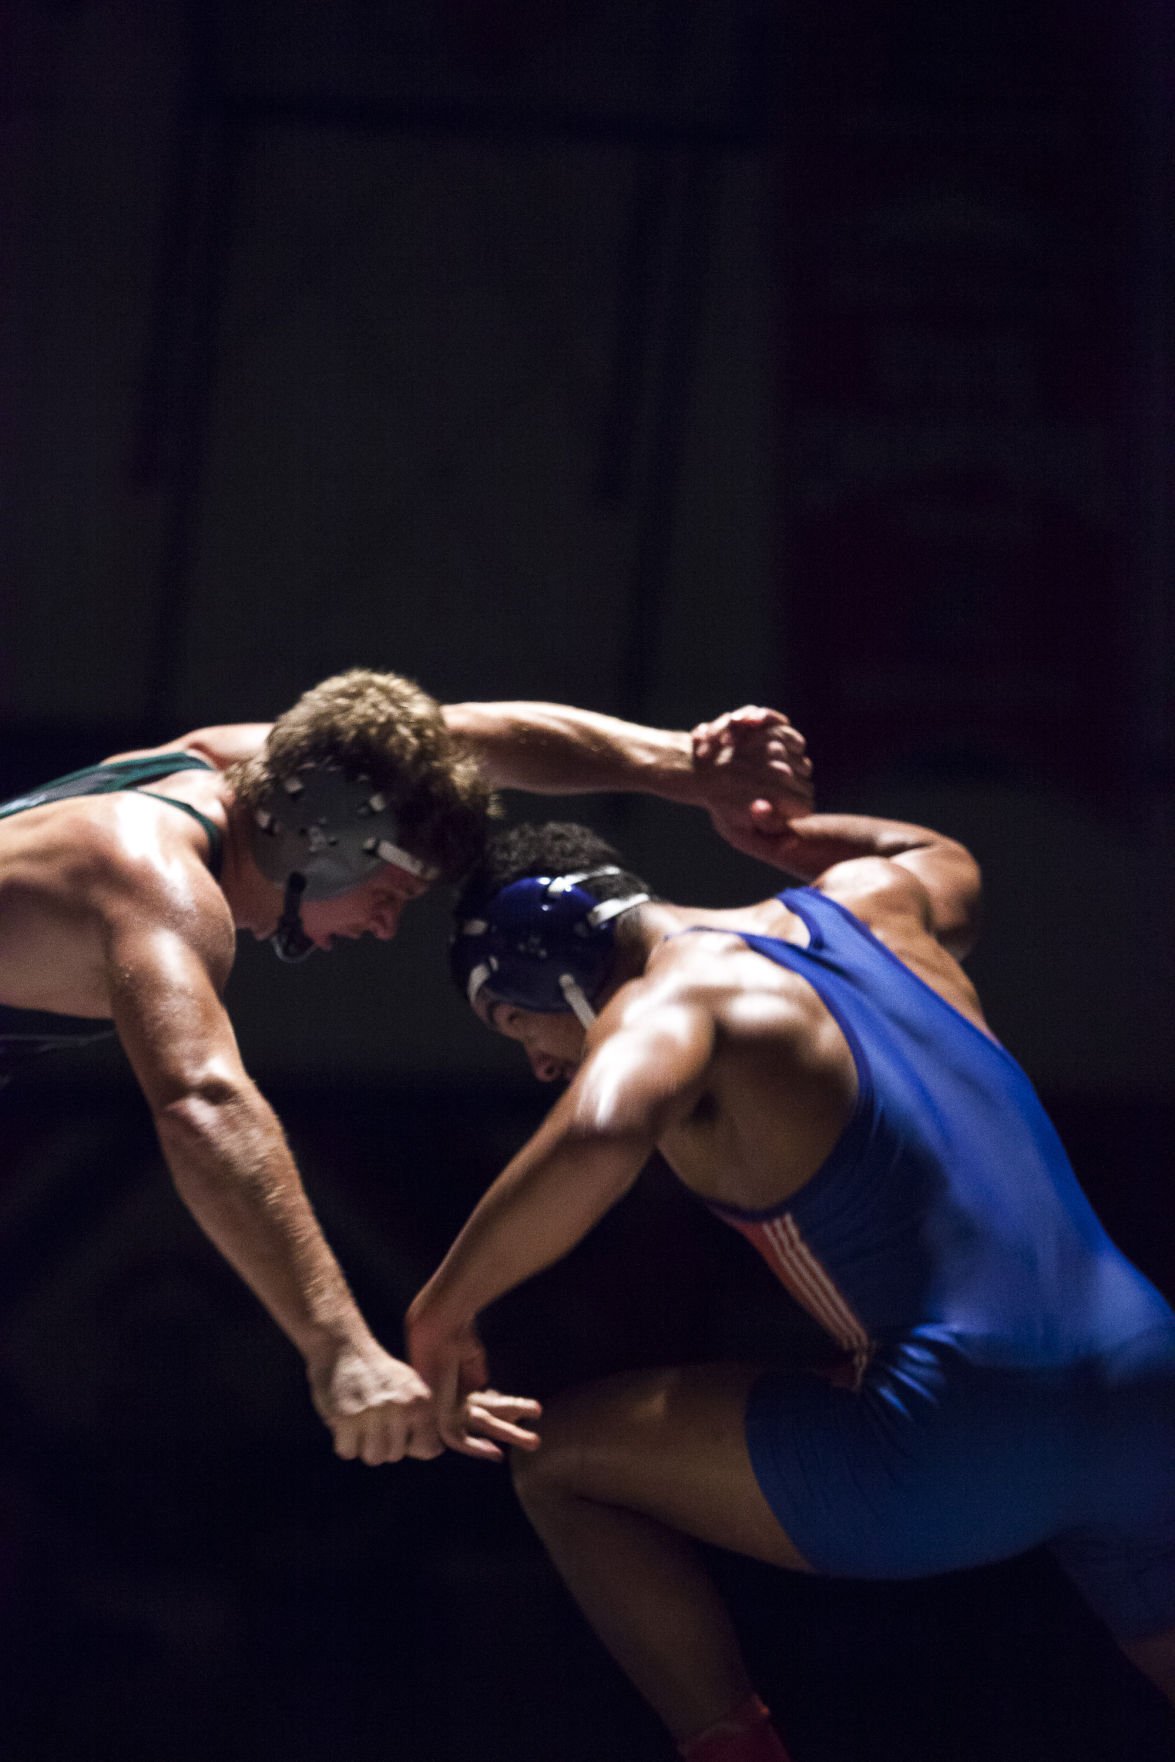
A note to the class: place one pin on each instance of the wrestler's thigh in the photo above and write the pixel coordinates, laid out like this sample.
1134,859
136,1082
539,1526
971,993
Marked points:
670,1444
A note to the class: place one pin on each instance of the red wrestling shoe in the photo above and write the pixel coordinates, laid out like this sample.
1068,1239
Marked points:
746,1735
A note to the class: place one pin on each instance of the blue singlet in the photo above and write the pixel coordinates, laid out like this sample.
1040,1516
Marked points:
1014,1374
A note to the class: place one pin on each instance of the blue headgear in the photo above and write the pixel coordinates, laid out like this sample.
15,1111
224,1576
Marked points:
543,943
317,833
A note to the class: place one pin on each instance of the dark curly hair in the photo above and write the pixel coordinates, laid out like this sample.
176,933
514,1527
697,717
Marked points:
547,847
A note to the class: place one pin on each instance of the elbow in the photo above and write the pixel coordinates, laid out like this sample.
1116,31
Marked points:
960,929
201,1111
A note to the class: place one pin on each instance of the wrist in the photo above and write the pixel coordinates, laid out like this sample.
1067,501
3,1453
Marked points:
796,854
667,769
323,1345
430,1316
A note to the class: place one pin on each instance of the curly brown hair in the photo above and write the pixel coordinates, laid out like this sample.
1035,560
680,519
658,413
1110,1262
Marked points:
382,726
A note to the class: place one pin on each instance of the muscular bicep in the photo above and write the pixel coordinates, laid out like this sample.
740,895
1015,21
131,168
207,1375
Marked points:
935,889
949,879
645,1074
165,984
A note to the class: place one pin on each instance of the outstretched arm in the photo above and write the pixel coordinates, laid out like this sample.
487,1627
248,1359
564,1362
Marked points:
840,854
233,1169
644,1072
813,847
551,749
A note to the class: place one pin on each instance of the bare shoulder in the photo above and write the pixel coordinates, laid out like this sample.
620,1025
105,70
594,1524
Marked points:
143,873
668,985
711,970
221,746
884,895
777,1081
102,894
900,911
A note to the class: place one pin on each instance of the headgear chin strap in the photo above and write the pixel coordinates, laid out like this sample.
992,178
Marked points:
317,834
289,941
584,1014
544,943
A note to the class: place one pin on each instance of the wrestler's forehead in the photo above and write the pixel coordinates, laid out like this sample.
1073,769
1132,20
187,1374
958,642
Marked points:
498,1013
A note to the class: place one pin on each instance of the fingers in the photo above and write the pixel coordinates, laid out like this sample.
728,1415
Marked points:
753,736
750,725
480,1426
765,817
486,1421
468,1444
426,1447
387,1433
722,730
496,1416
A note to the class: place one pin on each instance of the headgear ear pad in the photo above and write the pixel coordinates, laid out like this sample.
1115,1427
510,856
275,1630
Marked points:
534,934
332,829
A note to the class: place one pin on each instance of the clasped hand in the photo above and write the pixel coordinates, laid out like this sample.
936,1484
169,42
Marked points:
381,1410
755,773
470,1417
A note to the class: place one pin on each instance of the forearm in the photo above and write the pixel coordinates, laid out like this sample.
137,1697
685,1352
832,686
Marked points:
948,874
234,1172
554,749
818,842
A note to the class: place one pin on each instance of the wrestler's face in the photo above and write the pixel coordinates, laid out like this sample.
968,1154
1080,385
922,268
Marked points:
553,1042
371,909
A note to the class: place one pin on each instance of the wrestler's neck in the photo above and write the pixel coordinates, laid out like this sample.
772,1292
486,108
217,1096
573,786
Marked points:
254,902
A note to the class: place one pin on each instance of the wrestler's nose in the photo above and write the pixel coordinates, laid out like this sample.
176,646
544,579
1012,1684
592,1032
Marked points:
545,1068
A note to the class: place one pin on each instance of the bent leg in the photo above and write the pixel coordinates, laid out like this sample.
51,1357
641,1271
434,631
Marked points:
629,1469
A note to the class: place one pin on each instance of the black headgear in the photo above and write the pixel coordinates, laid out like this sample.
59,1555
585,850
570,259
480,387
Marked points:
318,833
543,942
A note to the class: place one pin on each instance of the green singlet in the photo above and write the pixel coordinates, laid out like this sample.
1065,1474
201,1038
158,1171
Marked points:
26,1032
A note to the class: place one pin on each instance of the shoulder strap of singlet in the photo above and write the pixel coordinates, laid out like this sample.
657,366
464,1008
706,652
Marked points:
129,774
215,839
751,937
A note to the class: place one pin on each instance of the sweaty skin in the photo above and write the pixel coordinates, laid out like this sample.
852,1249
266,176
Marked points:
108,910
734,1068
729,1066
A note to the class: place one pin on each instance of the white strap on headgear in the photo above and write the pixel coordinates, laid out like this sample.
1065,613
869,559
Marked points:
612,908
392,853
584,1014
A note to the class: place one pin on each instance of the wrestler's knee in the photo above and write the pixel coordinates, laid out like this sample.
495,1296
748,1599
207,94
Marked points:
551,1472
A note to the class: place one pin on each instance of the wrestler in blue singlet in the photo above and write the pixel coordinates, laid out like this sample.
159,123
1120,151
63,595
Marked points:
25,1033
1014,1374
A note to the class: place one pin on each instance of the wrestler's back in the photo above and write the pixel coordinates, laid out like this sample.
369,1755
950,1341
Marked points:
944,1202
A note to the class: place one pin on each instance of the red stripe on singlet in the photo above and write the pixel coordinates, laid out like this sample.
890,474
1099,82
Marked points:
779,1241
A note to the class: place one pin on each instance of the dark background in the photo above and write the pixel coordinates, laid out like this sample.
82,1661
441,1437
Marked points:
656,357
